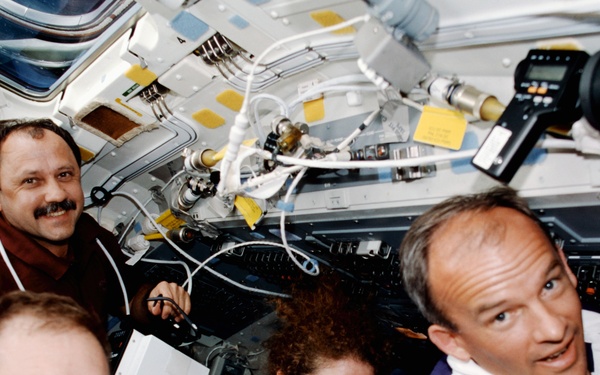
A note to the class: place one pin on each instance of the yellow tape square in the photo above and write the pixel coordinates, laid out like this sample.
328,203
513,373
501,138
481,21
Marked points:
139,75
208,118
249,210
231,100
314,110
328,18
441,127
169,221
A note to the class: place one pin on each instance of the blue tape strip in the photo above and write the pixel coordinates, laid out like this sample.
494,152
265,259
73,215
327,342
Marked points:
188,25
287,207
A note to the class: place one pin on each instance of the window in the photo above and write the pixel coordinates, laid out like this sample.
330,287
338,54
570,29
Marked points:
43,42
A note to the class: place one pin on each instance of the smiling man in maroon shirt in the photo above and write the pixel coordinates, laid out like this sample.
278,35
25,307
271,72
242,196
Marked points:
49,244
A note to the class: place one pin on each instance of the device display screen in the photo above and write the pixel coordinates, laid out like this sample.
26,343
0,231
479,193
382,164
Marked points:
546,72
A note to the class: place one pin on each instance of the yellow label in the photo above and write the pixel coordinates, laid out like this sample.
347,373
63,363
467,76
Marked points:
153,236
441,127
86,155
328,18
314,110
208,118
249,210
169,221
141,76
231,100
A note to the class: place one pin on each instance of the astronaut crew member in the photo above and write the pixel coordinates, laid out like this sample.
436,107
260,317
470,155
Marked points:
499,295
49,244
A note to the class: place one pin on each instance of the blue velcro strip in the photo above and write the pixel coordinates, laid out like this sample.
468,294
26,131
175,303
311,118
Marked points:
188,26
287,207
239,22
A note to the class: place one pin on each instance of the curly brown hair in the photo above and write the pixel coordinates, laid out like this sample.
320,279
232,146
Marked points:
322,321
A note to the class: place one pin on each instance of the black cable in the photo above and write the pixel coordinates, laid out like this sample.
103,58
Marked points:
179,309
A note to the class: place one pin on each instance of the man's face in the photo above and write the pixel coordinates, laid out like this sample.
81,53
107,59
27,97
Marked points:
510,295
40,189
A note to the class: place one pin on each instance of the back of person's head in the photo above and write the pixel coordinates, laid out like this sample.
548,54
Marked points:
35,128
414,250
323,323
37,326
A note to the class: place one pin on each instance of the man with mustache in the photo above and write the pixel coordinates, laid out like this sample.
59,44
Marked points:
49,244
497,291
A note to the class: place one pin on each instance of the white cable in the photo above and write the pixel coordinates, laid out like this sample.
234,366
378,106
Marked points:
584,7
344,88
250,243
10,267
186,255
130,224
244,287
291,39
315,270
399,163
211,352
391,163
412,103
283,110
114,266
238,130
161,261
126,229
264,178
338,81
188,272
358,130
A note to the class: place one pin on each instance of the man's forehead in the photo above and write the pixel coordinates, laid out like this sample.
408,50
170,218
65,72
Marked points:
465,230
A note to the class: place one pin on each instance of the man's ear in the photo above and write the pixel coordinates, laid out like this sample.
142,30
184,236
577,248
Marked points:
570,274
448,341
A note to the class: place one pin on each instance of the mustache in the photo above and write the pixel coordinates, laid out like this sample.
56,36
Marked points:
65,205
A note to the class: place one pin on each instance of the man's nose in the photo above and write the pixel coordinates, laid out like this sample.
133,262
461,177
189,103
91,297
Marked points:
549,325
54,191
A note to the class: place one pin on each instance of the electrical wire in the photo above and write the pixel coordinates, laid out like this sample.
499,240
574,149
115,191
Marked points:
170,262
10,267
399,163
161,298
238,130
304,267
308,94
251,243
121,283
330,162
130,224
357,131
189,257
353,79
255,101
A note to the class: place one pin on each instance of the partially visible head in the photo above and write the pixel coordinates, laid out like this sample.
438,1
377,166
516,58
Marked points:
43,333
485,273
40,187
324,331
33,127
415,247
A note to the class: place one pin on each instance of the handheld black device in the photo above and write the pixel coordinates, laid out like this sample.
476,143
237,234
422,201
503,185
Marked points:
547,93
